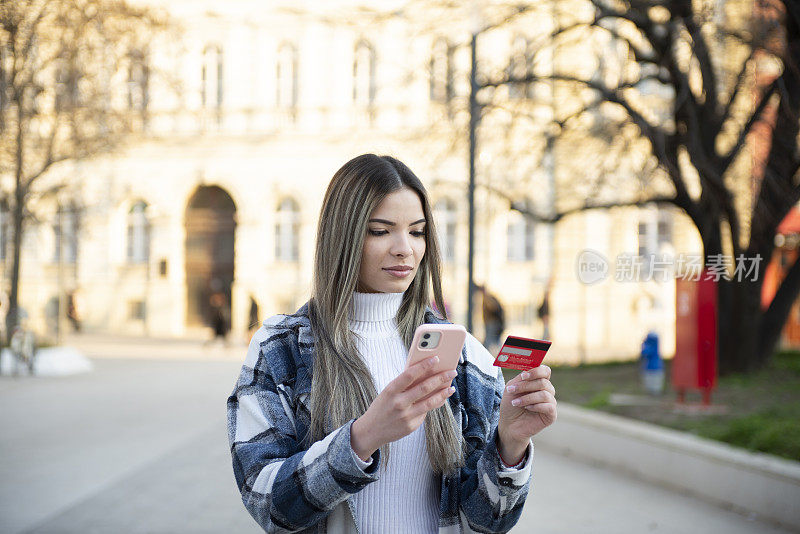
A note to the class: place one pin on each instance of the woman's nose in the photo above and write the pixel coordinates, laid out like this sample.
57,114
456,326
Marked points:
402,246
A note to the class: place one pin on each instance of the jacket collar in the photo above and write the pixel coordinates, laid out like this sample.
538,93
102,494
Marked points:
300,324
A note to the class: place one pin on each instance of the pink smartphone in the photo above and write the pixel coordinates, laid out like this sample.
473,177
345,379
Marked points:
442,340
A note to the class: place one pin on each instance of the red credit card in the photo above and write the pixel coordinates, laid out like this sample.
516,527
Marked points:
522,353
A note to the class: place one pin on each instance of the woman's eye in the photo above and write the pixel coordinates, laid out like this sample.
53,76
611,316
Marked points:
415,233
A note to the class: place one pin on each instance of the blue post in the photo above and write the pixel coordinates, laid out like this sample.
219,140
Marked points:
652,365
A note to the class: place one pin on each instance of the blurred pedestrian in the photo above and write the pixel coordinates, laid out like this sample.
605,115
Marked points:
73,313
544,312
218,317
494,319
310,442
252,322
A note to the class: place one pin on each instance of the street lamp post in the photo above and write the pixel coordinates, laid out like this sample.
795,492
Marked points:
474,113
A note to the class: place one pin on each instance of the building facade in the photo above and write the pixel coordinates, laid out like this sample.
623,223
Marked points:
247,112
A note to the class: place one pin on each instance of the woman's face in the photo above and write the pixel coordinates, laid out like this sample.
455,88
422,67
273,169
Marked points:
395,238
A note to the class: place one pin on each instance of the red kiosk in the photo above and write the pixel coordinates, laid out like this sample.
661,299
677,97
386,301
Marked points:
695,363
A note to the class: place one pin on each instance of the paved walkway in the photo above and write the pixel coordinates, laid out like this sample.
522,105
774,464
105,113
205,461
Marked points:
139,445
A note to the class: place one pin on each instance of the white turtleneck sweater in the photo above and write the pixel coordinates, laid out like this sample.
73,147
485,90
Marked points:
406,496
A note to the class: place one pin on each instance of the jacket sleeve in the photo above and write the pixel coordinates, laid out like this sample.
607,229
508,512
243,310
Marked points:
491,495
286,486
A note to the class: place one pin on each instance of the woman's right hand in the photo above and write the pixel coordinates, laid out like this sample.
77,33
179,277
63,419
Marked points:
401,407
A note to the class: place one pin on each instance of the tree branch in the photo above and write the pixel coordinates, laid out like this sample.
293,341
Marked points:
518,10
736,88
588,206
646,26
700,50
639,55
728,159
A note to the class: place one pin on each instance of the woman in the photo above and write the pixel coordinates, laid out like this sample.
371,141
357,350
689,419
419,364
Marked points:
325,431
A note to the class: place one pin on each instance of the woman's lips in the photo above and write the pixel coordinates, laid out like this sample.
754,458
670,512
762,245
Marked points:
398,273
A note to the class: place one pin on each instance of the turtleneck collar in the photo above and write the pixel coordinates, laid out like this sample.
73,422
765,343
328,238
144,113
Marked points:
375,307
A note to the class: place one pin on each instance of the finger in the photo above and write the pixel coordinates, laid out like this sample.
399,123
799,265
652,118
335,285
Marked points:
432,402
545,408
412,374
518,378
529,386
429,386
542,371
533,398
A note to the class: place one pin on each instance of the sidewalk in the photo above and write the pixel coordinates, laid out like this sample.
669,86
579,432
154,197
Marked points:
136,347
139,445
755,484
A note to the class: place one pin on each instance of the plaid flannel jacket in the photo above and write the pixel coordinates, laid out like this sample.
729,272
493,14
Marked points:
288,486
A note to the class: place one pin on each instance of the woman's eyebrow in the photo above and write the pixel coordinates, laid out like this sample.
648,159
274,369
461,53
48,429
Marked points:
390,223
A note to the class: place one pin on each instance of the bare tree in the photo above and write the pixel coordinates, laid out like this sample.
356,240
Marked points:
73,81
692,81
703,65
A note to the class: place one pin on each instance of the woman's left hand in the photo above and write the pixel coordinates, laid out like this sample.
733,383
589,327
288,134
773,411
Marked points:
528,407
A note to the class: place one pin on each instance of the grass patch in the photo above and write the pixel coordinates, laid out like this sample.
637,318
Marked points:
768,432
601,400
762,409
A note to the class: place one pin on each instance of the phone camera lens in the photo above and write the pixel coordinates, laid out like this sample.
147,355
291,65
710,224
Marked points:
424,344
426,336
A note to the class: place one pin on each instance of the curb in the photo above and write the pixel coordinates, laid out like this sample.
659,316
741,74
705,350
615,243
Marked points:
748,482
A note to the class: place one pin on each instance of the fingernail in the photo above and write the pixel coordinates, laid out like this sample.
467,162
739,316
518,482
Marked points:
511,389
433,360
526,375
452,374
515,402
452,389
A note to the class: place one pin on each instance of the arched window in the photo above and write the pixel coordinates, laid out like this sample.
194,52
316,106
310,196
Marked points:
441,72
446,219
364,75
65,229
212,78
286,76
138,234
520,237
287,231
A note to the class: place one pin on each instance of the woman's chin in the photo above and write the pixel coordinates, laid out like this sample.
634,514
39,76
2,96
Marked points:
395,288
398,286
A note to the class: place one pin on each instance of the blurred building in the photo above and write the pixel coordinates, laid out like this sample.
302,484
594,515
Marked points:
787,241
246,113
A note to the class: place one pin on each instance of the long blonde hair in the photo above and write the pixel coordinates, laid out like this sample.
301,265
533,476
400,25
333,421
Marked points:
342,387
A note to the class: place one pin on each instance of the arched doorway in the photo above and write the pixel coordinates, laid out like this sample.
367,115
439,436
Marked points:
210,229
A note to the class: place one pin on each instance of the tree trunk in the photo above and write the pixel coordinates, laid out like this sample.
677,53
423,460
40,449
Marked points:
779,189
19,204
13,299
744,315
727,353
775,316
